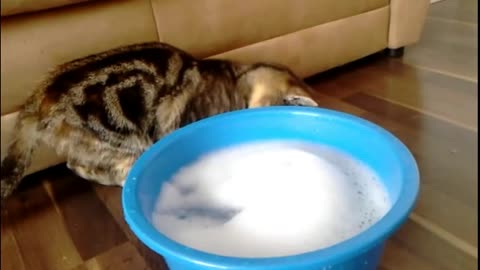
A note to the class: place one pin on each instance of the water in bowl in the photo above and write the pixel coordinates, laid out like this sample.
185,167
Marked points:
269,199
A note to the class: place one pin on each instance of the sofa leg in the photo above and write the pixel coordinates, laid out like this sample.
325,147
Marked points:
396,53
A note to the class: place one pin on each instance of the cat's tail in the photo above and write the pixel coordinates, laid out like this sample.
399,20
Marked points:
19,153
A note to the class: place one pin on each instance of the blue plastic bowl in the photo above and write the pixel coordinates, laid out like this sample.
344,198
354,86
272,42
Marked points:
369,143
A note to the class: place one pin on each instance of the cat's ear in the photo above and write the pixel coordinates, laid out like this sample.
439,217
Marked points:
299,100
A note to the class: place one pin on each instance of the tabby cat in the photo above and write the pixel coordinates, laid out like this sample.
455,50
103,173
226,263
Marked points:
102,111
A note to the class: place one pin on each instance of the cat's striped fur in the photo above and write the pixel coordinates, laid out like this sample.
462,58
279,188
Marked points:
102,111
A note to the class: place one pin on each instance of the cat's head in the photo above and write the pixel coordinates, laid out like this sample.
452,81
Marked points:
271,85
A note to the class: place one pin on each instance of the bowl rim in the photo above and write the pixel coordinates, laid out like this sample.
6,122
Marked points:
349,248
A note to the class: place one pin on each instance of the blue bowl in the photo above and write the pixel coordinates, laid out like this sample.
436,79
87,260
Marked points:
376,147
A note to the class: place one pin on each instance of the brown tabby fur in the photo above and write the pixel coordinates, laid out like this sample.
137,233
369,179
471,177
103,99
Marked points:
102,111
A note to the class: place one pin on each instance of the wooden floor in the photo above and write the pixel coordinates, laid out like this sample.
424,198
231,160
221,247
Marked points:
429,99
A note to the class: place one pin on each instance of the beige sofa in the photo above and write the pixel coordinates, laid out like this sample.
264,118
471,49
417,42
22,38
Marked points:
308,35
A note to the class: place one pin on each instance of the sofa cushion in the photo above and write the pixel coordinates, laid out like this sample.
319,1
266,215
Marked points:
407,19
306,51
34,44
208,27
11,7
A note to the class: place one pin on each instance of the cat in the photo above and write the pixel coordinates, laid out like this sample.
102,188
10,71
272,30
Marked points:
102,111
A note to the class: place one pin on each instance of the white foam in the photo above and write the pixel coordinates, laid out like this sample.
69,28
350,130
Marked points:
270,199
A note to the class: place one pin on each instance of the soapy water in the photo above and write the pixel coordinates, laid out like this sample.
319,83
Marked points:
270,199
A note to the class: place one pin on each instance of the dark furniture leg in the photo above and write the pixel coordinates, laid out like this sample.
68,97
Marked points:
395,52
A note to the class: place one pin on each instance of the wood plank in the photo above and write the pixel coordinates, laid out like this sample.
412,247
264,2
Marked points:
90,225
450,99
447,213
111,197
345,80
411,118
456,10
448,47
122,257
398,257
430,246
43,241
332,103
11,257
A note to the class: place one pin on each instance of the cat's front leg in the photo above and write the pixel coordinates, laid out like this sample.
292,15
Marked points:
111,172
122,168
